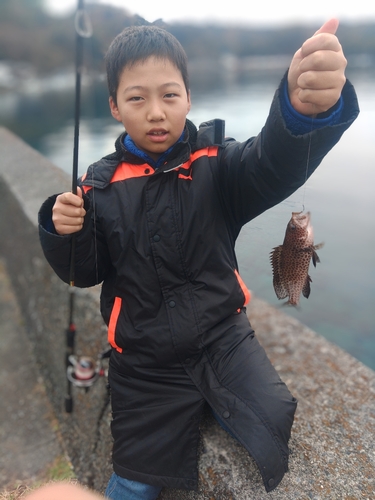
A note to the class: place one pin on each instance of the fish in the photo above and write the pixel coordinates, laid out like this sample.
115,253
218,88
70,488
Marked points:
290,261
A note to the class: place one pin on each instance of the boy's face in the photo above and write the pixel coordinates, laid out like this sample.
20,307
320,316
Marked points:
152,104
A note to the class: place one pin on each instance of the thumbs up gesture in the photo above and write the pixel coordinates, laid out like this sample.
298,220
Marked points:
317,72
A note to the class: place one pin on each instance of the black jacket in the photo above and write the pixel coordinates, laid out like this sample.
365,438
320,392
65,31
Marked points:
162,241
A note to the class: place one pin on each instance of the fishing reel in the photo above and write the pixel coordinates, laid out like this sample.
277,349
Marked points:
84,371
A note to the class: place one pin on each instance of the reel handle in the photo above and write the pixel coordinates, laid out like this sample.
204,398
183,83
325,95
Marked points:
68,403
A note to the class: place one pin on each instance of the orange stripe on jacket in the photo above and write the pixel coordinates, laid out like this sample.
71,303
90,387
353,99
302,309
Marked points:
244,288
126,171
211,151
113,323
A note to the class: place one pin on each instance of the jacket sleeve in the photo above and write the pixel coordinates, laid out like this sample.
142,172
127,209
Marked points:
263,171
91,255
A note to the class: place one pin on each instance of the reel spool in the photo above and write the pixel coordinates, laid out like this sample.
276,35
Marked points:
84,371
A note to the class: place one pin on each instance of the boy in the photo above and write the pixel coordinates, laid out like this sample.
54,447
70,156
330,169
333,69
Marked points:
157,222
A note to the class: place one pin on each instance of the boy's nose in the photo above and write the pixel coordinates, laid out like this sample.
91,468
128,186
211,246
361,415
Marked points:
155,112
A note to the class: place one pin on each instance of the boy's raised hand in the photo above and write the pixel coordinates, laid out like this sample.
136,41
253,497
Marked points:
317,72
68,213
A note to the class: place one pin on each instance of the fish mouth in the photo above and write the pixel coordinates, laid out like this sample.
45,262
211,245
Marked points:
301,219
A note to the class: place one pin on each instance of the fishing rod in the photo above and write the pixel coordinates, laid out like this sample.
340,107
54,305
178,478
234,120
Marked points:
83,30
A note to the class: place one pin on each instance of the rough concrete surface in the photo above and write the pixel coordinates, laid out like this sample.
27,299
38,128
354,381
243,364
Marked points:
28,438
332,444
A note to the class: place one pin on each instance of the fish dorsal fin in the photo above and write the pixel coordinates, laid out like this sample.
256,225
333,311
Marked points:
278,283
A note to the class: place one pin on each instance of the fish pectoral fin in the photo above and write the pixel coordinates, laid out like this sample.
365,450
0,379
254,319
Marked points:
315,258
306,287
278,285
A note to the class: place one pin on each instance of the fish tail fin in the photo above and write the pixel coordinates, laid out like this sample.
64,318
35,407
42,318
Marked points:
288,303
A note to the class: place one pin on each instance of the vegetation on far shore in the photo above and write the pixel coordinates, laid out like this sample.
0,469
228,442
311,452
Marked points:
28,33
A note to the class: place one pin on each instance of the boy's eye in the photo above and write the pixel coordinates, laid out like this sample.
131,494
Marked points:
135,98
170,94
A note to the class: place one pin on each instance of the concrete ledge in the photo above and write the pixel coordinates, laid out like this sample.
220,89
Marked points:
29,444
332,445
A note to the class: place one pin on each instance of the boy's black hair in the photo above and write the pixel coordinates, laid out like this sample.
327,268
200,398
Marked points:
138,43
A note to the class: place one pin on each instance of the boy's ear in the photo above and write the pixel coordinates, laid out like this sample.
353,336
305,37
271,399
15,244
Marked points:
114,110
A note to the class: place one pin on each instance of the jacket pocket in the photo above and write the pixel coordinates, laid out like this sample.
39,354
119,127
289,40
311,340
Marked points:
243,287
113,323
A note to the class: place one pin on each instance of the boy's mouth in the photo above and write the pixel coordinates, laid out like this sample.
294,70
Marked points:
157,135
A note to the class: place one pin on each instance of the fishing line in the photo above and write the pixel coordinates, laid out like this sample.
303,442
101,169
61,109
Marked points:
307,163
94,217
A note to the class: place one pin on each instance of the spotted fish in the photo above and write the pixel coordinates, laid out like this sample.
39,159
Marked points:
290,261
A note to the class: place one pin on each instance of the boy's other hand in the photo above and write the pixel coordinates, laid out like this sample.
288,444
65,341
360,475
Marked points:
68,213
317,72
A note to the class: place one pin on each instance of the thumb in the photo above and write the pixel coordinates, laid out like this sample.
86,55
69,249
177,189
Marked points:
79,192
328,27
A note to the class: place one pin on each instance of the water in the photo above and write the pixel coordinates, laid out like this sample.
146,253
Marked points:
340,196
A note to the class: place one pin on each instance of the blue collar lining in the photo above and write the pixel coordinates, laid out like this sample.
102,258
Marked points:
134,149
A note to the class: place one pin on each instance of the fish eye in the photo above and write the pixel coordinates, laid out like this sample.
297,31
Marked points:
292,226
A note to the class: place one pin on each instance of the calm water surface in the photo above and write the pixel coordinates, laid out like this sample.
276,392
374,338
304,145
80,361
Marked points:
340,196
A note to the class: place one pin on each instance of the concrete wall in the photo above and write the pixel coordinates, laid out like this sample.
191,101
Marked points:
332,444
